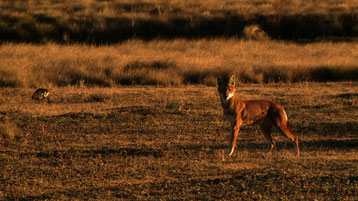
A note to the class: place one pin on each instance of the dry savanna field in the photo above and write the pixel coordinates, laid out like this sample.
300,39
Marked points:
152,143
134,112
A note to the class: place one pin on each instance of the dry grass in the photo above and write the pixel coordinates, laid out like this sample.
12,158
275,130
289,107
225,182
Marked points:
174,62
156,143
100,139
111,21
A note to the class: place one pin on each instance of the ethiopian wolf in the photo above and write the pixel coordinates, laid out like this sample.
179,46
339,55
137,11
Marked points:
265,113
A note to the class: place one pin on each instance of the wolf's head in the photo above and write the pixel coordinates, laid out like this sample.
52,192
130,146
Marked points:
226,87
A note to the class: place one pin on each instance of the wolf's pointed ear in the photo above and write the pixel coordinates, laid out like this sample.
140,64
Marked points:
232,80
220,81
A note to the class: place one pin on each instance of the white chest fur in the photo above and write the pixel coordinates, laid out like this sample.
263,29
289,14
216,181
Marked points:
223,99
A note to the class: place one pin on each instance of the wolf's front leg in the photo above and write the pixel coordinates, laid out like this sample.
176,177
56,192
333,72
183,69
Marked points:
233,139
235,132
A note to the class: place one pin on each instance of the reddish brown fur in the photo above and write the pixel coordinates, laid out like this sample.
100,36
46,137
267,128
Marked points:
263,112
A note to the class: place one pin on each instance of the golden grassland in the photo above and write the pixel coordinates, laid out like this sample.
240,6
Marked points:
175,62
111,21
156,143
134,114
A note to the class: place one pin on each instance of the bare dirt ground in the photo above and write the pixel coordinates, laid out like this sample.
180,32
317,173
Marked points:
151,143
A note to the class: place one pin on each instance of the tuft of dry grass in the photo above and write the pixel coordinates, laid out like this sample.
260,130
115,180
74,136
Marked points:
9,133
